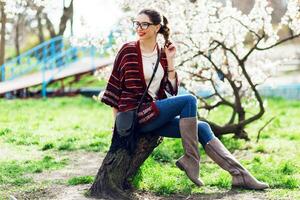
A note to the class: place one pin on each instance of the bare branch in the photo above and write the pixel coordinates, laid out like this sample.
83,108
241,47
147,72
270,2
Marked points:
228,49
280,42
264,126
219,103
225,102
188,59
251,50
257,96
244,25
232,117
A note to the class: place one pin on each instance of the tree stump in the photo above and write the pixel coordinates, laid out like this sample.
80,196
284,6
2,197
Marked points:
118,167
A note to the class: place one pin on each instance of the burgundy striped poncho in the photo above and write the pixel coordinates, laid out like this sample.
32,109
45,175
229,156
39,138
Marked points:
126,83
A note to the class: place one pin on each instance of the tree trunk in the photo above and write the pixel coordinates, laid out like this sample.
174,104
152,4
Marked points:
113,178
40,25
2,42
50,26
17,37
67,15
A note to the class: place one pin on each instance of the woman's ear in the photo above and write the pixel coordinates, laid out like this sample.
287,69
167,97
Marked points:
158,27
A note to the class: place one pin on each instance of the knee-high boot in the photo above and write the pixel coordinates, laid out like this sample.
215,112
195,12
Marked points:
241,177
189,162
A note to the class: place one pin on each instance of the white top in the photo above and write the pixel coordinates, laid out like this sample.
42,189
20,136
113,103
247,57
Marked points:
149,61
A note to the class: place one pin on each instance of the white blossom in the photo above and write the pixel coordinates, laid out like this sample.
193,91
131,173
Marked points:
201,26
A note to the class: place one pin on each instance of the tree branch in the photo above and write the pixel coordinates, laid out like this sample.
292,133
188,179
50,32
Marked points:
228,49
257,95
244,25
280,42
264,126
251,50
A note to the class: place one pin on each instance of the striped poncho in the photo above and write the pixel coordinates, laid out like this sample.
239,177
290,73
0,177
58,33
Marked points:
126,83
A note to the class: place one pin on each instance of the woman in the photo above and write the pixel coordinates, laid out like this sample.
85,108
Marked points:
174,116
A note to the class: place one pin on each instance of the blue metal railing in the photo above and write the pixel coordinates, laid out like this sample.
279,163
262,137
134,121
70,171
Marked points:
63,60
32,60
48,56
287,91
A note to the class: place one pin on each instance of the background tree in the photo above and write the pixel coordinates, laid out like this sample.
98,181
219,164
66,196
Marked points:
42,15
219,44
7,10
27,17
216,45
3,31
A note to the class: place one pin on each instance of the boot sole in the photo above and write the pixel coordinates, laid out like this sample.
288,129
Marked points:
182,169
246,188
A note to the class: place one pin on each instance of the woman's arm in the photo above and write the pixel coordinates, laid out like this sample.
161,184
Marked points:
115,112
171,69
172,78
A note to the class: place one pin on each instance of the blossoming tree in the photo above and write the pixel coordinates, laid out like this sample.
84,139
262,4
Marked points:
216,53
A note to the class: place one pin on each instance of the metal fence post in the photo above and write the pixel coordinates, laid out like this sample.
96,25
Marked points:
3,72
92,54
44,91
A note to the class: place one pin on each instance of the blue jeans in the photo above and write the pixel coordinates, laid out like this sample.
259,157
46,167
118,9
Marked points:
170,111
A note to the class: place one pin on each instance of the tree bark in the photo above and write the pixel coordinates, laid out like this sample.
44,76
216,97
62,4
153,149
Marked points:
50,26
118,167
17,37
67,15
3,31
40,25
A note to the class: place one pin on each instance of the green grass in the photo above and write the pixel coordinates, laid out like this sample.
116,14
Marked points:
59,126
87,81
80,180
274,159
76,126
12,172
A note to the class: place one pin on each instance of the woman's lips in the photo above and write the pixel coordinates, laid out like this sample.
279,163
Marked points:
141,34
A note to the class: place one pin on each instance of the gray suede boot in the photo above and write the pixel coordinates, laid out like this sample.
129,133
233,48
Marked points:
241,177
189,162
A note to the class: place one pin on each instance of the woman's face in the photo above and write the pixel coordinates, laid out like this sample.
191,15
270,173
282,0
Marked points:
144,27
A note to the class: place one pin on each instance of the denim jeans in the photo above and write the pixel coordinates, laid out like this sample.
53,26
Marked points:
170,111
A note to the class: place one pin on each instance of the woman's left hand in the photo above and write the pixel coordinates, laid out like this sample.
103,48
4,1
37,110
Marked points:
170,51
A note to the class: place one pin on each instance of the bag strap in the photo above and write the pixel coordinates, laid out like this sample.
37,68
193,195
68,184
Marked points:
153,74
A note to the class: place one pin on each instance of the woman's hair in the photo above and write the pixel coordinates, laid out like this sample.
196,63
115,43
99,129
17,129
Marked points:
156,19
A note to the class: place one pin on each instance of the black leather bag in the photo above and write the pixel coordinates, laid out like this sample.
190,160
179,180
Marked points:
126,122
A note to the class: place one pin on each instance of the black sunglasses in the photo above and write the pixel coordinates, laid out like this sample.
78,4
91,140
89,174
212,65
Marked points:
142,25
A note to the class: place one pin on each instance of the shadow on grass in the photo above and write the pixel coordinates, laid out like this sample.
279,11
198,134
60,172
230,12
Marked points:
237,194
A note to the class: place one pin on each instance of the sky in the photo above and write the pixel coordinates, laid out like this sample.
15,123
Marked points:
91,17
99,15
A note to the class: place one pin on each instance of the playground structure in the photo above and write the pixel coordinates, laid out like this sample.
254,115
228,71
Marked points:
49,62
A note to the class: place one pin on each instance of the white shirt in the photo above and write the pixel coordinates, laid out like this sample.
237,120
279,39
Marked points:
149,61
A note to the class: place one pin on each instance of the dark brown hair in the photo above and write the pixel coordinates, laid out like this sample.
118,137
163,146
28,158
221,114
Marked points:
156,19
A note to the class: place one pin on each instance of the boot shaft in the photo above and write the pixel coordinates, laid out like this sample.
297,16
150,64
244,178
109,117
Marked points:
241,177
189,137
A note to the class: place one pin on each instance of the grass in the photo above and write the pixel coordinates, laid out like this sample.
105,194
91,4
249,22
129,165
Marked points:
274,159
76,126
80,180
61,126
12,172
87,81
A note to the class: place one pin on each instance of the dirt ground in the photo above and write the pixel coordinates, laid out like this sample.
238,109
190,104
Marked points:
87,164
